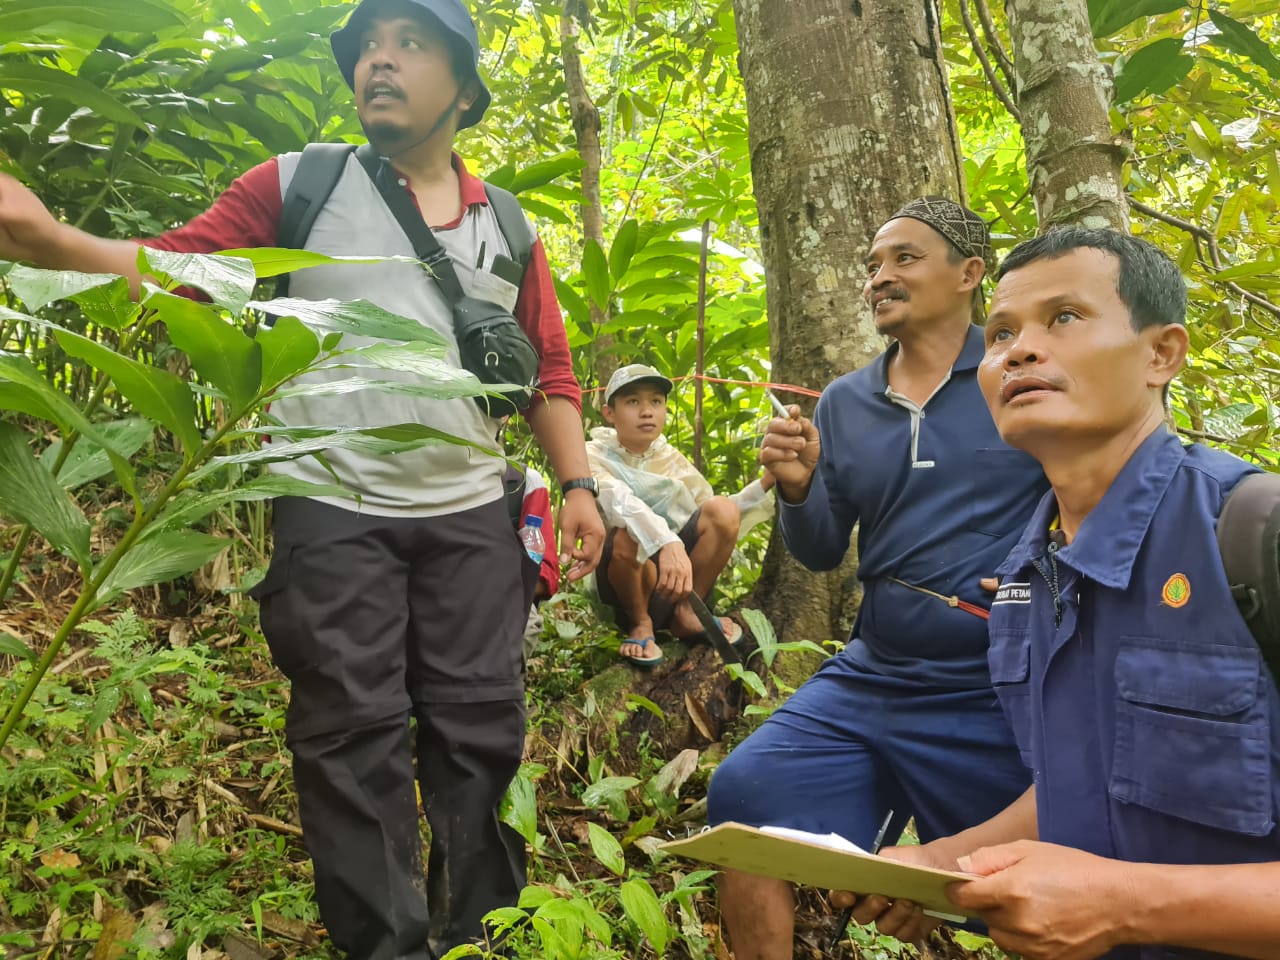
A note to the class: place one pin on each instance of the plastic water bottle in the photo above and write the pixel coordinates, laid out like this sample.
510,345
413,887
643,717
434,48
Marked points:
531,537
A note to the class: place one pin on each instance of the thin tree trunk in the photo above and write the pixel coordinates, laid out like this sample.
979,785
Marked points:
1064,97
586,128
849,117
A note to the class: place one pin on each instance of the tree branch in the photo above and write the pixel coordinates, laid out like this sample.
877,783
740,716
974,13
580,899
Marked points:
1211,248
997,48
996,86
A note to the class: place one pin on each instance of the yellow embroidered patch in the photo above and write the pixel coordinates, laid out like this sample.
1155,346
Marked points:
1176,591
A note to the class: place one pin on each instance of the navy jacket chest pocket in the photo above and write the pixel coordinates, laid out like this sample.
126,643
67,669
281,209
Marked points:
1009,658
1192,736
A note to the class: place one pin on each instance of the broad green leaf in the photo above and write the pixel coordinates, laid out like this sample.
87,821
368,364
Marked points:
573,303
188,508
220,352
461,385
606,848
623,249
1256,268
1152,69
762,630
38,288
519,807
1107,17
88,460
11,646
543,172
595,270
642,908
159,559
423,359
611,793
287,348
350,316
108,305
1240,39
373,441
29,493
22,374
18,17
229,281
22,399
275,261
35,80
154,393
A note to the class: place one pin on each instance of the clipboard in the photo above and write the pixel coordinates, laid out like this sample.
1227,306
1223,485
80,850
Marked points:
816,865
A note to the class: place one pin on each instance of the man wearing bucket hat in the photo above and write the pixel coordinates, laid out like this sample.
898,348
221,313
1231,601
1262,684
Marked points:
902,722
410,605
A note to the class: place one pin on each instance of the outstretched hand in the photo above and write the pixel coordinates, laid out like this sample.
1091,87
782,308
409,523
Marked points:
1047,902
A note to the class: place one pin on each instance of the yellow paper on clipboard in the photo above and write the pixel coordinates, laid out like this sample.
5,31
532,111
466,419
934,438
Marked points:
818,864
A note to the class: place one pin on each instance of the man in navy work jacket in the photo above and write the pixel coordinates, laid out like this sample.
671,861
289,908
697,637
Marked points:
904,719
1136,691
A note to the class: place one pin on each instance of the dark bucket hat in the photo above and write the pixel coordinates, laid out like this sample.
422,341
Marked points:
450,16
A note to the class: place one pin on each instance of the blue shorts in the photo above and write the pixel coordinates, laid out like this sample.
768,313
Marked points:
849,746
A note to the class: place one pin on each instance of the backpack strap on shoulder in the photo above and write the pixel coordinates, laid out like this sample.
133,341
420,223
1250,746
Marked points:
1249,541
512,223
318,171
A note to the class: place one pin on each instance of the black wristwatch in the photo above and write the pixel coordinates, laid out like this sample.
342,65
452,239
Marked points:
581,483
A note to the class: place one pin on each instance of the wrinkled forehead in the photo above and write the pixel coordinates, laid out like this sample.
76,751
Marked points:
902,231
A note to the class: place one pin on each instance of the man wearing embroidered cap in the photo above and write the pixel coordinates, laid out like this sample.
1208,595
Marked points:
408,601
903,720
669,535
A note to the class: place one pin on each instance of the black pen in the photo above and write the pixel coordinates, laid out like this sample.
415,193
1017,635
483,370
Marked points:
847,915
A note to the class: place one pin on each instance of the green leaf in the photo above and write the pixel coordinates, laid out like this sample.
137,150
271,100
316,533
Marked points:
220,352
543,172
623,249
462,384
23,375
275,261
1254,269
39,288
762,630
1107,17
288,347
19,17
642,908
519,808
420,359
1240,39
104,705
190,508
36,81
606,848
350,316
229,281
159,559
595,270
108,305
29,493
372,441
1152,69
154,393
89,460
610,792
11,646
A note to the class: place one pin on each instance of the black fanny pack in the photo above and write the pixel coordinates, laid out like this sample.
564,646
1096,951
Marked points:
491,343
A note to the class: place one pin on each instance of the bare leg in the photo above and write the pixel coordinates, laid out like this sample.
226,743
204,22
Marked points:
760,914
717,534
633,582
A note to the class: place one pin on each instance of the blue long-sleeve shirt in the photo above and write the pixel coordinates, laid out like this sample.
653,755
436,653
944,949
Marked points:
939,501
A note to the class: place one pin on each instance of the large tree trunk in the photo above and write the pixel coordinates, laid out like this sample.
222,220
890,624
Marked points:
849,117
1064,97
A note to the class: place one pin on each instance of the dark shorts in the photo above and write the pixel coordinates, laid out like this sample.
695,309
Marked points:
369,616
660,610
849,746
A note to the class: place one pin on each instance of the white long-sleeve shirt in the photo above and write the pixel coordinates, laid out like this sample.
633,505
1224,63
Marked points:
653,494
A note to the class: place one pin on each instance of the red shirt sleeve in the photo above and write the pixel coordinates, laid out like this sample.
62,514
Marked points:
247,214
538,313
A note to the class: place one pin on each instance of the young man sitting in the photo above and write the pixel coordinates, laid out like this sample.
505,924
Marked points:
669,535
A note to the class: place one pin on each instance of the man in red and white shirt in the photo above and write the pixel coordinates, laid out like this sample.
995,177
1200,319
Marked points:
408,603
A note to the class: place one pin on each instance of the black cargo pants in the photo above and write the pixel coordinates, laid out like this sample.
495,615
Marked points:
374,619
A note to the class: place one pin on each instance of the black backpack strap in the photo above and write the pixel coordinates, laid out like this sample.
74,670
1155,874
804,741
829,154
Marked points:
425,245
318,171
1249,541
512,223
